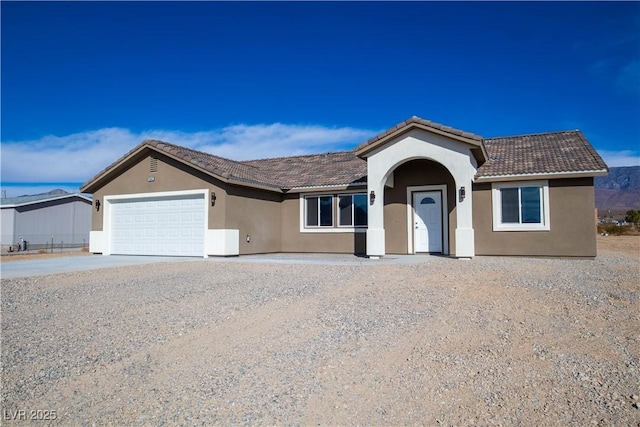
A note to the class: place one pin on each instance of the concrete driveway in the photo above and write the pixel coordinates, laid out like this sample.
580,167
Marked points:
39,267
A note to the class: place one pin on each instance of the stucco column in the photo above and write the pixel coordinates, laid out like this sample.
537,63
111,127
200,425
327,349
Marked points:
375,229
465,239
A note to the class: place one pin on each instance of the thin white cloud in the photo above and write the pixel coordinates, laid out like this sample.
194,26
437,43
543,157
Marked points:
623,76
601,67
244,142
78,157
629,78
71,158
620,158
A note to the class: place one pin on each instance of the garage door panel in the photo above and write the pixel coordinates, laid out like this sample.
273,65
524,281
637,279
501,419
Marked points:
158,226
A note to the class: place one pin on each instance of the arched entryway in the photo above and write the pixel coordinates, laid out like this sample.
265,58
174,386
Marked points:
414,141
419,209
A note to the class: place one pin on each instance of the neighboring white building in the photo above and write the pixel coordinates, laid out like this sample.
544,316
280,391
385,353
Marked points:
63,217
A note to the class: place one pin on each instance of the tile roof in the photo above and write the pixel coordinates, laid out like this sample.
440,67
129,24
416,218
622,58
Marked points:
341,168
542,153
424,122
225,168
535,154
283,173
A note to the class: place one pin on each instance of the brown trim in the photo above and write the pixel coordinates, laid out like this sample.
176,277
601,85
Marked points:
550,175
345,187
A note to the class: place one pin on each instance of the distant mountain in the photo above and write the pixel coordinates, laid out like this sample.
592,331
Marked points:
620,190
56,192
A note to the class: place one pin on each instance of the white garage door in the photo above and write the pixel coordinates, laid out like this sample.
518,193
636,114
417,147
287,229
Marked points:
158,225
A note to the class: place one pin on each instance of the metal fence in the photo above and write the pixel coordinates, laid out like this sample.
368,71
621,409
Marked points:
44,243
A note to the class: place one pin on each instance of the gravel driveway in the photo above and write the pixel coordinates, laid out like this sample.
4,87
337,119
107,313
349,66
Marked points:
490,341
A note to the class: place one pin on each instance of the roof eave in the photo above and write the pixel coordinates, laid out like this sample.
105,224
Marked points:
52,199
92,185
330,187
480,154
548,175
89,186
252,185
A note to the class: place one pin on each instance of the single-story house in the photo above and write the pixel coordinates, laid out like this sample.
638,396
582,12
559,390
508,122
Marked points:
419,187
58,215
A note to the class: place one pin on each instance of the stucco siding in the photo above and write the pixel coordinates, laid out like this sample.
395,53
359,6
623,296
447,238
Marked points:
295,241
255,214
572,223
171,175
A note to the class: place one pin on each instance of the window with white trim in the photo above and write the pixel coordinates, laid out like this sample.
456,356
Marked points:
352,210
321,211
521,206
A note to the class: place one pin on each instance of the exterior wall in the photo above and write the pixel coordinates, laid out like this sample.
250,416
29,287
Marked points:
414,173
7,224
170,176
257,215
295,241
572,232
67,221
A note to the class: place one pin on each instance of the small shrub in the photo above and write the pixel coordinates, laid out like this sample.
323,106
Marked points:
617,230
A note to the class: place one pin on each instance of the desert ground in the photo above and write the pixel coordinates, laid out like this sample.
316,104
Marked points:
488,341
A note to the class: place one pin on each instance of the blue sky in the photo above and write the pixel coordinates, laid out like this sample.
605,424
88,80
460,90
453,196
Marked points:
84,82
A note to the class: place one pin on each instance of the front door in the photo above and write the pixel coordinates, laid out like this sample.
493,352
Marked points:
427,208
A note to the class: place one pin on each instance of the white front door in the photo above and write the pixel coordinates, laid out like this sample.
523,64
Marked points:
427,208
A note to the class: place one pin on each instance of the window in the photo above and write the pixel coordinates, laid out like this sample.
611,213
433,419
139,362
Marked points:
352,210
319,211
521,206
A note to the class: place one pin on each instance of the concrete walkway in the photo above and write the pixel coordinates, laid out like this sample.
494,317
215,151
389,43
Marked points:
39,267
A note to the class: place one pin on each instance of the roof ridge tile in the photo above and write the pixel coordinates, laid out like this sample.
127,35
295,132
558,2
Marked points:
531,134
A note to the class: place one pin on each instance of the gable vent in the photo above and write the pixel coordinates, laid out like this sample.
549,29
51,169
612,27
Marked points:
153,166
